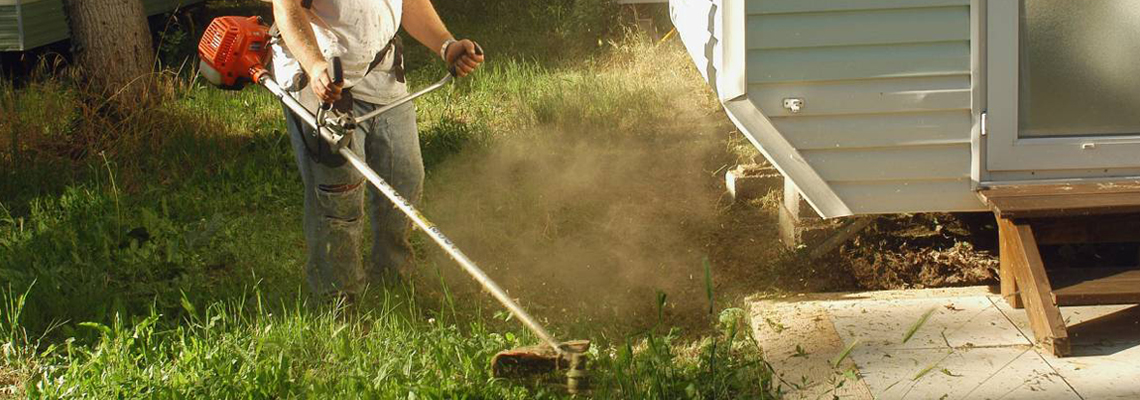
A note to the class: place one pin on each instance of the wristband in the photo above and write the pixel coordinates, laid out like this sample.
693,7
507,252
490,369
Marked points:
443,49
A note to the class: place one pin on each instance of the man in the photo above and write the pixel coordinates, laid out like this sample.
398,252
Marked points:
363,34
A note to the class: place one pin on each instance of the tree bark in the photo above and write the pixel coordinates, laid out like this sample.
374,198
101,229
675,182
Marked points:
112,43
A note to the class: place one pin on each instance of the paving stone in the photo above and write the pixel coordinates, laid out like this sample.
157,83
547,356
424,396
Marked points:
954,322
973,346
1008,373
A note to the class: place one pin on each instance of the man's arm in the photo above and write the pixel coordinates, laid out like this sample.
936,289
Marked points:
293,23
423,23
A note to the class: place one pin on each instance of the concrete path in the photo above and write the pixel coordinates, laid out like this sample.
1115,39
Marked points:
969,345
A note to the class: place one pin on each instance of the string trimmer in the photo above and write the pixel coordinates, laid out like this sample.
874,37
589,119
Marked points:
234,52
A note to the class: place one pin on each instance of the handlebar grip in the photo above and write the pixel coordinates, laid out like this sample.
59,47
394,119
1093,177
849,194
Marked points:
337,76
453,70
337,71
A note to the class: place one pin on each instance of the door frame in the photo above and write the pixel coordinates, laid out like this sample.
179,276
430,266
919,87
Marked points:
1000,149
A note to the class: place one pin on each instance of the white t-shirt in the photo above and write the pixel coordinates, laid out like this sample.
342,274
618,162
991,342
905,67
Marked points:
355,31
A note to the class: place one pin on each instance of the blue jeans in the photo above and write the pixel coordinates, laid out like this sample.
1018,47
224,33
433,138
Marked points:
335,201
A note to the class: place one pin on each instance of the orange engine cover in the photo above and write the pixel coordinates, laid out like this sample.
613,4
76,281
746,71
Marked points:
233,51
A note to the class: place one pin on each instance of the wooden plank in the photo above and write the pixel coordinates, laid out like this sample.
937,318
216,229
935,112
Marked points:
1120,287
1036,292
1065,205
867,96
801,6
1089,286
914,163
859,62
1092,229
1049,200
892,26
876,130
1007,265
1121,186
840,236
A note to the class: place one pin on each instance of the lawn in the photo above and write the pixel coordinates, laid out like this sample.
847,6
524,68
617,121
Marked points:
157,252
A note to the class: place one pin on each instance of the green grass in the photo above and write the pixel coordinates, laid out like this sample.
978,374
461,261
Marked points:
156,252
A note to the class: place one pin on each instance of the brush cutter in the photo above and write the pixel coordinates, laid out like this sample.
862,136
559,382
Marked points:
233,53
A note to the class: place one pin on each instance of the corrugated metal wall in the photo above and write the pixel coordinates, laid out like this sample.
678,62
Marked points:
9,29
44,23
886,85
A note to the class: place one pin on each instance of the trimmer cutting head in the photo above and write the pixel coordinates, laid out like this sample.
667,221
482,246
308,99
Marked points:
541,359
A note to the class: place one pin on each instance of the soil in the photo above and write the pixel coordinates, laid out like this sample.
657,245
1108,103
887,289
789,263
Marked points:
893,252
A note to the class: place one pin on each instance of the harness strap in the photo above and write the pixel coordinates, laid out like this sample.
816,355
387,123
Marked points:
395,46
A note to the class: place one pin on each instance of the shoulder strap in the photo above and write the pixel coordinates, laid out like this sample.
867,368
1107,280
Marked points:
396,47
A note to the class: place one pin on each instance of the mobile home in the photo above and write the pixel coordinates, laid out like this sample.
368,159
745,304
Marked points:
28,24
1026,108
895,106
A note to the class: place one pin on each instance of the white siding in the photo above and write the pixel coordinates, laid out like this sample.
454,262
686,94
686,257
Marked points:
887,93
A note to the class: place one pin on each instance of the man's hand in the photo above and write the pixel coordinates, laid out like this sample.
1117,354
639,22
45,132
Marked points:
463,55
323,85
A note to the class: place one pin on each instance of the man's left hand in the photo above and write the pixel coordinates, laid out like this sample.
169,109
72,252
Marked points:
463,55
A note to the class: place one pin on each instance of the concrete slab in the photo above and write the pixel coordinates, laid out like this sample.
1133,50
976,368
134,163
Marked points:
801,339
1106,349
970,346
967,373
953,322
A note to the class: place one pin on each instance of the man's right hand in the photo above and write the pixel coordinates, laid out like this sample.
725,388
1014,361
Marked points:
323,85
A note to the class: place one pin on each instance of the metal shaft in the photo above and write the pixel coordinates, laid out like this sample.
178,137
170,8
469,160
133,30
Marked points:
412,213
405,99
451,249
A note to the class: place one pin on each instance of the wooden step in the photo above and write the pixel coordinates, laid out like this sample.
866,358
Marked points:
1088,286
1066,199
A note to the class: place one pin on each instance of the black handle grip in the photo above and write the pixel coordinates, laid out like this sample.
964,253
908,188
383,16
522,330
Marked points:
453,70
337,76
337,71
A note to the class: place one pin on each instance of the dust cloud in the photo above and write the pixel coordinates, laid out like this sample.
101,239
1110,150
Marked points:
587,224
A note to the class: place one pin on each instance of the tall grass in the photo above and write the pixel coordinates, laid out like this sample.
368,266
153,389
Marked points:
155,252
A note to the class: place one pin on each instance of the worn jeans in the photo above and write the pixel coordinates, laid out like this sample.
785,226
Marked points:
335,201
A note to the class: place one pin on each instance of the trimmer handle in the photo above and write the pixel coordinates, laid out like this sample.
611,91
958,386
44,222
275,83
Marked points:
337,71
337,78
453,69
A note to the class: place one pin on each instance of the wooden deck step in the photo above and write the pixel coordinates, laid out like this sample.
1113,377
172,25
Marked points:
1096,286
1068,199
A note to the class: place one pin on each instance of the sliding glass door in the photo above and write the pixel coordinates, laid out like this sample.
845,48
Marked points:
1063,85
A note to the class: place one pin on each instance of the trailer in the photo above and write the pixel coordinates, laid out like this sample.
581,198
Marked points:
1026,108
28,24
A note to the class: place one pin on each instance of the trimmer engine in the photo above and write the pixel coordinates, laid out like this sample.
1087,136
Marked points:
234,51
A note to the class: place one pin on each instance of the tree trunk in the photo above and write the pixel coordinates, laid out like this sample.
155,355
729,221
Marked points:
112,44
